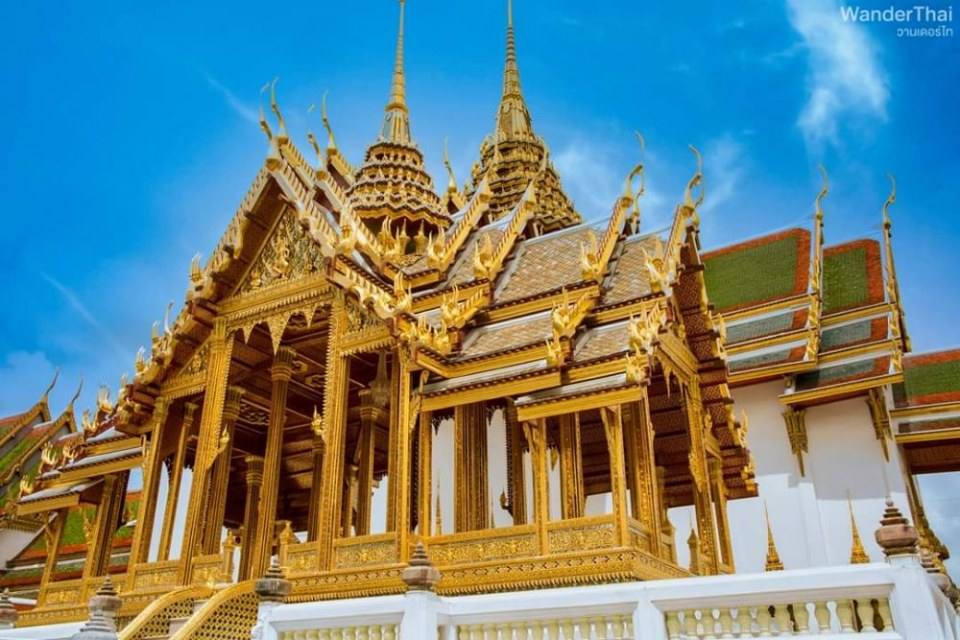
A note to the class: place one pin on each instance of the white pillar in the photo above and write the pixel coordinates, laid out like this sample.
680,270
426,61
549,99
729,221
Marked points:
420,618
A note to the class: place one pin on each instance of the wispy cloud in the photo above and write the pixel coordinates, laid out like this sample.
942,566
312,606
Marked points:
83,312
724,161
589,177
845,74
236,105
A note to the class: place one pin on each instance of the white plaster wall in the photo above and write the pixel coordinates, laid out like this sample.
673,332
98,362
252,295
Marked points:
808,513
13,542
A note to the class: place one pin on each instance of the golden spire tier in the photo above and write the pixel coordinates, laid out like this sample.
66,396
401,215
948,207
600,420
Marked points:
392,188
514,155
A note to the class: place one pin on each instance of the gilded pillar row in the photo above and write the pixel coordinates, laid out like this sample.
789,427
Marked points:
536,434
211,419
612,418
175,479
251,512
220,476
280,374
152,465
334,424
571,467
720,513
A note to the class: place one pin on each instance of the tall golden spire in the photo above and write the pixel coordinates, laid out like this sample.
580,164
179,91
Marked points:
513,118
773,562
396,121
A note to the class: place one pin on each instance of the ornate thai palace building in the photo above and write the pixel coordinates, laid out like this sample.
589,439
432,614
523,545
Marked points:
386,412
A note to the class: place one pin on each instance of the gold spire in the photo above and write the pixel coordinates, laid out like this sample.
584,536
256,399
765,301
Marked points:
513,118
396,122
773,562
858,554
892,285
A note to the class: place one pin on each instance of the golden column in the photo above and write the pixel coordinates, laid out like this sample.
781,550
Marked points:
719,490
109,514
152,465
571,467
251,512
54,540
208,441
335,425
280,374
612,418
365,459
425,480
536,434
472,506
641,468
319,449
406,421
220,476
700,481
516,485
173,485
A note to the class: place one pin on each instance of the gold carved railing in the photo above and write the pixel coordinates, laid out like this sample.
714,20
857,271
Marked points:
302,558
365,551
581,534
478,546
64,601
212,569
154,620
151,575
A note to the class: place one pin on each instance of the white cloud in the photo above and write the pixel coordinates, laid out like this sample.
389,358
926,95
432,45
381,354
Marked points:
845,74
723,168
236,105
81,310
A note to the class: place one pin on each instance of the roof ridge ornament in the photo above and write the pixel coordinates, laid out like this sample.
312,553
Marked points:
53,383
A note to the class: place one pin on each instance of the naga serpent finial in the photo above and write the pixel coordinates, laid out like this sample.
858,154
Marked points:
331,143
892,198
281,123
263,118
452,179
695,181
53,383
75,396
824,190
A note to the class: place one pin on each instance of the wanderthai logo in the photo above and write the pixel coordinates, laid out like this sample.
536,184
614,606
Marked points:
917,21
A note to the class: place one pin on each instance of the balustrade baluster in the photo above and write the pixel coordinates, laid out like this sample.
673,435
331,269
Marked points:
865,613
763,621
845,616
690,623
323,634
883,610
709,621
566,627
745,622
784,624
726,623
801,617
376,632
821,612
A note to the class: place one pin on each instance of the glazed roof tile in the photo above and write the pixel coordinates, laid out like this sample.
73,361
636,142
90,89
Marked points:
762,270
507,335
543,264
852,275
929,378
629,278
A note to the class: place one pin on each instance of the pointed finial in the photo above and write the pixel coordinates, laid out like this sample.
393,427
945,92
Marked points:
892,198
331,143
451,178
281,124
824,190
858,554
396,121
53,383
262,118
772,562
511,77
75,396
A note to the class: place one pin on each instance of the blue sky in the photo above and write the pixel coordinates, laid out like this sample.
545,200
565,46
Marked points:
131,136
